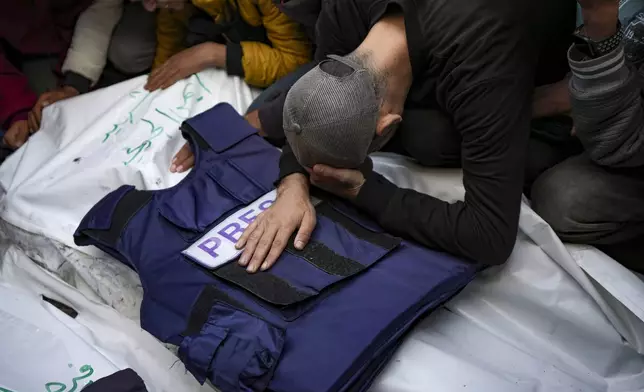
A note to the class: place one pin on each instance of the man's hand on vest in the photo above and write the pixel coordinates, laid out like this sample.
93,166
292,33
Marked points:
265,239
345,183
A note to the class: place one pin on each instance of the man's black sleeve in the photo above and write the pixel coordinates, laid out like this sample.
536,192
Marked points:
289,164
493,118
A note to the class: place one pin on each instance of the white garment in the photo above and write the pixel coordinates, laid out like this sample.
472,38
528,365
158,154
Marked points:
87,54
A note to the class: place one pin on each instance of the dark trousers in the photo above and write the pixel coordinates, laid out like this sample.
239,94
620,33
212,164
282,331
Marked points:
589,204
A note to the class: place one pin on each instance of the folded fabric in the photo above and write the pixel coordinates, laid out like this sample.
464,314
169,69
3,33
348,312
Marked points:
122,381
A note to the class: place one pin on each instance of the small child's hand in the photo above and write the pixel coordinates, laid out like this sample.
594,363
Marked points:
186,63
183,161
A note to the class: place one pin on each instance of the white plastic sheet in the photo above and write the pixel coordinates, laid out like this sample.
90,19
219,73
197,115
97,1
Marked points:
40,348
553,318
44,349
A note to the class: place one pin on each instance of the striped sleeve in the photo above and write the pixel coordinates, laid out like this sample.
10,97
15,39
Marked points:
592,76
607,108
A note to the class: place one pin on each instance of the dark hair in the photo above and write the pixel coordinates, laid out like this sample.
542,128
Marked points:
365,60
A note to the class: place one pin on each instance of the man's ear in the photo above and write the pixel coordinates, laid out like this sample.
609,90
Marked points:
387,121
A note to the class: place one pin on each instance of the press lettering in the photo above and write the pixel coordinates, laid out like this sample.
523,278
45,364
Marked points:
217,247
244,217
210,245
229,232
264,206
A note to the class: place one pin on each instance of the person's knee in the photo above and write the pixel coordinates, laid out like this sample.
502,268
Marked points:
560,196
128,56
133,43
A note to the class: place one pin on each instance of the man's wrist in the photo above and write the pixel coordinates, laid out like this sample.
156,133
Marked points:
293,181
215,55
254,121
71,90
600,23
77,82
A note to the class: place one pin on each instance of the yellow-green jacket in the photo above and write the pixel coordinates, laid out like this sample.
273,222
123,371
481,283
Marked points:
260,63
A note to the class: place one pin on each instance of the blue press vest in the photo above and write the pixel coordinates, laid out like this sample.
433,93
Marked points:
323,319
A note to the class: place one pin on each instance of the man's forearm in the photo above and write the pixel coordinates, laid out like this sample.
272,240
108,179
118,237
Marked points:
551,100
606,98
456,228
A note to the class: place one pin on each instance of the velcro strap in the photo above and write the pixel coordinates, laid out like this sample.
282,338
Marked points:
325,258
278,291
268,287
383,240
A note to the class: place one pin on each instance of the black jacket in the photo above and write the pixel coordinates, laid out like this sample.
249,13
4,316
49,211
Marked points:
476,61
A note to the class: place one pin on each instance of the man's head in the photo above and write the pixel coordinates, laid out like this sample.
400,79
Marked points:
338,112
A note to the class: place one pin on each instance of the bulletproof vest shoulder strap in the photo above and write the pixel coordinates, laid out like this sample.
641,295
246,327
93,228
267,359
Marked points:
126,208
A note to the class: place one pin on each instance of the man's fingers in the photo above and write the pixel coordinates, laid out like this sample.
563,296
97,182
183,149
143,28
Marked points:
263,247
182,160
186,164
324,172
170,80
279,243
37,110
156,77
31,121
16,135
241,243
165,80
248,241
251,244
306,229
9,138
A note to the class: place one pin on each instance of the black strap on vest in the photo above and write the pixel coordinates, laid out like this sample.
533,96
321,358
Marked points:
277,291
126,208
325,258
201,309
382,240
189,133
266,286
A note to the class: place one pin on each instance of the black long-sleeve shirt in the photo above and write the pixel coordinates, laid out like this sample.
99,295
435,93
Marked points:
476,61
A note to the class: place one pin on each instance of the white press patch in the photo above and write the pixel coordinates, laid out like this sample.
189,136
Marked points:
217,247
